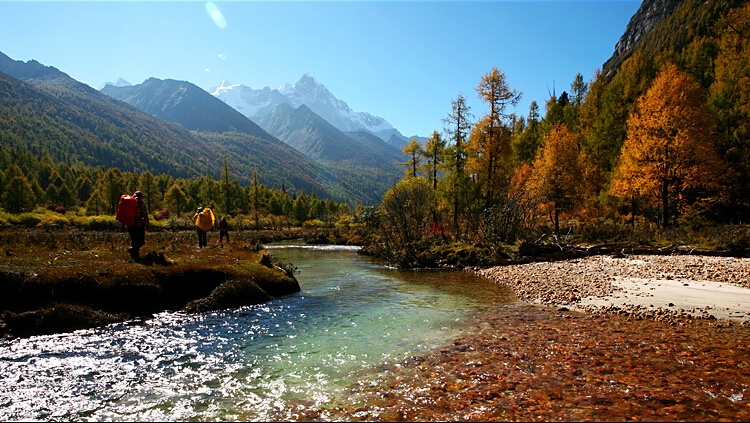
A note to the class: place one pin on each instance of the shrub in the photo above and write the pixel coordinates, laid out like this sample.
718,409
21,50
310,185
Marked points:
52,220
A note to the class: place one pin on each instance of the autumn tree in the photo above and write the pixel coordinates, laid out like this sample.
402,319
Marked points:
258,203
18,195
413,150
434,152
527,139
730,99
456,183
669,158
175,199
146,184
111,186
557,170
405,214
491,153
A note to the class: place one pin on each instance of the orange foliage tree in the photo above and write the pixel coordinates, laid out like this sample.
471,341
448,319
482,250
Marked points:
730,98
669,157
558,170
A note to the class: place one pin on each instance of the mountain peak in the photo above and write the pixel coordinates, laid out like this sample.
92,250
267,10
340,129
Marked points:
120,83
306,79
286,89
257,104
222,87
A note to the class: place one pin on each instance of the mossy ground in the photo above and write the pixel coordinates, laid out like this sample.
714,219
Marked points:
66,279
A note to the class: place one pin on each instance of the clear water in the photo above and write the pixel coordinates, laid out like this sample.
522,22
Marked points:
261,363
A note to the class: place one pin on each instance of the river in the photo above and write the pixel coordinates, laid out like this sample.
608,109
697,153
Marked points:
353,317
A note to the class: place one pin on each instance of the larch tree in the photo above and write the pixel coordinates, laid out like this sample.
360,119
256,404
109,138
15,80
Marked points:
226,187
258,202
730,99
434,150
18,195
490,138
557,170
147,184
526,143
669,158
175,199
111,186
413,150
456,183
490,158
406,210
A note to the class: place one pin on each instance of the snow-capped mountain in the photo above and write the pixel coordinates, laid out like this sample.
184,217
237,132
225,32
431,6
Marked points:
256,104
120,83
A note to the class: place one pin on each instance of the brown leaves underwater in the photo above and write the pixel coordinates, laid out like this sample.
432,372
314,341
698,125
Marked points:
530,363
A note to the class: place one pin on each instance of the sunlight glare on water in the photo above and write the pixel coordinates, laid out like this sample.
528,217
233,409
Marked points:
265,362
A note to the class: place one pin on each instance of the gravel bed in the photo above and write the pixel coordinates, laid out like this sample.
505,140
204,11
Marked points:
577,283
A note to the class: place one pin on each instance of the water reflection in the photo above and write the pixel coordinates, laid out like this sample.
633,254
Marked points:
266,362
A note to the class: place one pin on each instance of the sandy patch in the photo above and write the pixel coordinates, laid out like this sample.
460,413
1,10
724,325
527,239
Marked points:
722,300
698,286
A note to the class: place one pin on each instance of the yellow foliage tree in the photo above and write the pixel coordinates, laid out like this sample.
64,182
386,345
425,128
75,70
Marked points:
489,148
669,156
557,169
413,150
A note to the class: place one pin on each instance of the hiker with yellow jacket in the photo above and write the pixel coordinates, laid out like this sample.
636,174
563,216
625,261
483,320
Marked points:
204,220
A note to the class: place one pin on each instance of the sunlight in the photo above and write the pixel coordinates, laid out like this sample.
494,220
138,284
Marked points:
215,14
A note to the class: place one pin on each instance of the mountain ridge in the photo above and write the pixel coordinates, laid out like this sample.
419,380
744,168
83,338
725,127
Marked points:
257,104
47,112
300,128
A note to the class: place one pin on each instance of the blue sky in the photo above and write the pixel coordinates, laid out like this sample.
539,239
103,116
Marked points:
402,61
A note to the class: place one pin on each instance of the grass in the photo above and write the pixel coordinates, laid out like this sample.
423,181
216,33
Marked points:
62,279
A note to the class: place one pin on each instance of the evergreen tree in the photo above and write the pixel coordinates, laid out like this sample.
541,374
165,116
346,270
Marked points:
456,184
433,153
175,200
18,195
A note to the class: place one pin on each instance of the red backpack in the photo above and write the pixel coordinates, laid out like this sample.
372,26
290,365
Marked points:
127,210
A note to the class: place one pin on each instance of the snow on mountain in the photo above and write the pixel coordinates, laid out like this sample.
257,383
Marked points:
258,103
120,83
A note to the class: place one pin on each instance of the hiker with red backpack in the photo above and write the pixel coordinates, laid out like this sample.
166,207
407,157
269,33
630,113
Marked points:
133,213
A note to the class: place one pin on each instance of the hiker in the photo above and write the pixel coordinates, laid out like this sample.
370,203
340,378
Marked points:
223,229
137,230
200,227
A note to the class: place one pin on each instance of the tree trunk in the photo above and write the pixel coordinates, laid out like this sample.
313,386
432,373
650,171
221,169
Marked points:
665,203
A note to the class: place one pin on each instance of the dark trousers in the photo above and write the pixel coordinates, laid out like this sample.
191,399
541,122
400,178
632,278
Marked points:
223,234
137,239
201,237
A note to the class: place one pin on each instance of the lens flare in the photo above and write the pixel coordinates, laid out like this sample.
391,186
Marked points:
215,14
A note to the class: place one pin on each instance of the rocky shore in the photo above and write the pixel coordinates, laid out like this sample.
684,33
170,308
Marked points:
601,338
674,288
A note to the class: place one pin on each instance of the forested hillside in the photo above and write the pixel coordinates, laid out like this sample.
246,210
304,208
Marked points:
658,139
47,113
355,167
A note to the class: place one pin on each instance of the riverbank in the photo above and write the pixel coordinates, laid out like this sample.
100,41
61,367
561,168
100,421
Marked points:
536,363
602,338
61,281
675,288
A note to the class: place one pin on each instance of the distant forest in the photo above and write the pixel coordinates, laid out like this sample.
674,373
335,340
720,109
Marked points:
30,183
660,136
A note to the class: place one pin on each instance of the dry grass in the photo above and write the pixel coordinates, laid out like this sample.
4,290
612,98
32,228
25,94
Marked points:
53,280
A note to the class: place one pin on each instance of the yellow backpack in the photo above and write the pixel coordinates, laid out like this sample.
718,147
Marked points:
205,219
